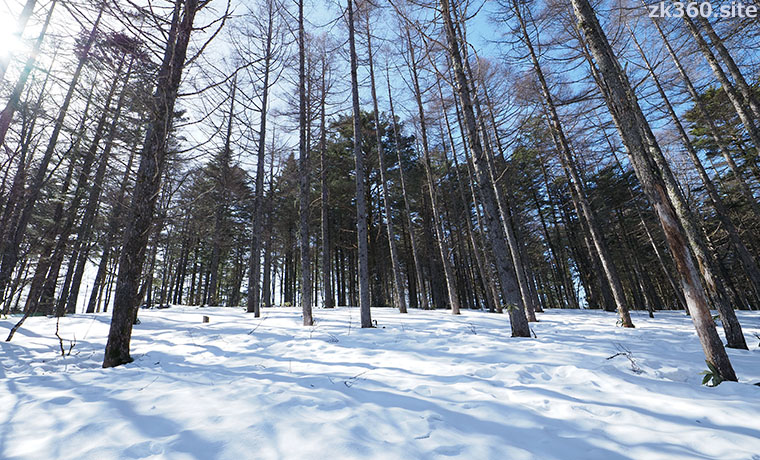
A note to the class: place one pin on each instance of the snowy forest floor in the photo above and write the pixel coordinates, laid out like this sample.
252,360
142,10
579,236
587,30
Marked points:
420,386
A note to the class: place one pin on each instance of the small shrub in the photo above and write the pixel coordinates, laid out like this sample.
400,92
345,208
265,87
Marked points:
711,374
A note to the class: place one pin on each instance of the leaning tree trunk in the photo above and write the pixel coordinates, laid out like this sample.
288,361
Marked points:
68,298
5,59
568,163
487,256
625,109
750,100
147,186
443,246
747,260
489,288
11,251
111,231
745,115
715,133
502,201
706,265
655,247
46,273
494,228
15,195
15,97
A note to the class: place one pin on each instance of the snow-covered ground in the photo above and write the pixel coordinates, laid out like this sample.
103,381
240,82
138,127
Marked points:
420,386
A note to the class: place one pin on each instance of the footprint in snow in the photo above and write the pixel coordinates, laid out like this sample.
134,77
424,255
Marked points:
144,449
485,373
449,451
60,401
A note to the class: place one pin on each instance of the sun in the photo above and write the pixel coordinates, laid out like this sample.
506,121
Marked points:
10,43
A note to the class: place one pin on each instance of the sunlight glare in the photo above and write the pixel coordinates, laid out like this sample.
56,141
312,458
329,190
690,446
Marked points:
9,41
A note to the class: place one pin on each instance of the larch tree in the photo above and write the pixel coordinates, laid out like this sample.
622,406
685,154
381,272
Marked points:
146,190
361,201
628,115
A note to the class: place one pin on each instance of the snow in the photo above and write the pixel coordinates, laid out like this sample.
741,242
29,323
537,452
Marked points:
425,385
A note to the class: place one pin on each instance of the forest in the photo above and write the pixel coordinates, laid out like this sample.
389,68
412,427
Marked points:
529,162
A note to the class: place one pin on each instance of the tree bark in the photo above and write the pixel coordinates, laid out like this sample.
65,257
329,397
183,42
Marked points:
747,260
361,190
398,287
625,109
147,186
494,228
577,187
443,244
304,172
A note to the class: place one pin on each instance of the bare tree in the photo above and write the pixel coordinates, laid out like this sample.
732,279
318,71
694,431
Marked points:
629,118
148,184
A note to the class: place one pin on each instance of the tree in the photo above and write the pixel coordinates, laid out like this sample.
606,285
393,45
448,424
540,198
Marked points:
361,203
495,229
148,184
398,289
641,150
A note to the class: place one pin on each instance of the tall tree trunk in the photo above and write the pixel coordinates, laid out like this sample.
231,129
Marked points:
747,260
489,288
327,292
625,109
715,133
398,287
494,228
147,186
111,235
487,256
750,100
14,202
69,296
502,200
407,209
11,250
443,244
304,173
680,299
706,265
46,273
361,191
576,185
254,262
